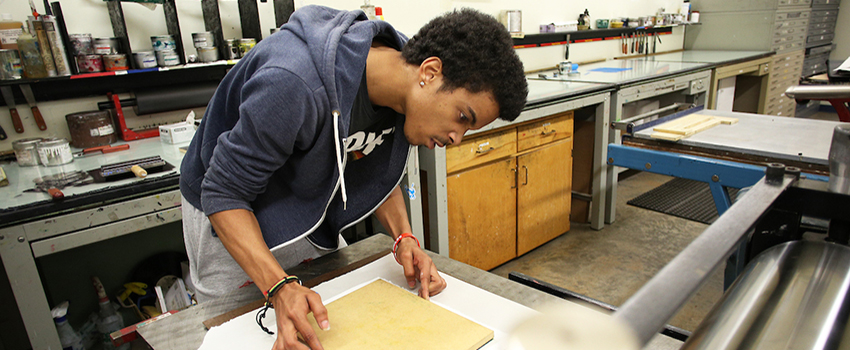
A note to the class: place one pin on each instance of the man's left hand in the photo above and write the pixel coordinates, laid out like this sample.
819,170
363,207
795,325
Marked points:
418,266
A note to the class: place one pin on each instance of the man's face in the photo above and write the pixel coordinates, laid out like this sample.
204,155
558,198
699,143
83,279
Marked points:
441,118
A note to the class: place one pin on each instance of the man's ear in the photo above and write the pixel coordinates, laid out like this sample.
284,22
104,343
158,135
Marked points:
430,69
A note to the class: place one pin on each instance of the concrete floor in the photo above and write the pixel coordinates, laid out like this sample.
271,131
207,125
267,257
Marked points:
612,264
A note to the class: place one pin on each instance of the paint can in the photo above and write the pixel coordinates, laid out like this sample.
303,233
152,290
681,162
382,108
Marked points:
26,151
54,151
145,59
205,39
81,44
163,42
113,63
106,46
91,129
512,19
90,63
167,58
208,54
232,51
10,65
245,45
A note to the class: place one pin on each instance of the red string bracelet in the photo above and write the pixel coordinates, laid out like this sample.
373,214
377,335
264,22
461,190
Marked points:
398,239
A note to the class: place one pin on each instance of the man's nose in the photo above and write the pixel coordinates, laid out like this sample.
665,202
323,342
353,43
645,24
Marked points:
455,137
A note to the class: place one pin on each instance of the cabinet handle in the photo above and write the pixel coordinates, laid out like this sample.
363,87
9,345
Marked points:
480,151
548,132
526,176
516,180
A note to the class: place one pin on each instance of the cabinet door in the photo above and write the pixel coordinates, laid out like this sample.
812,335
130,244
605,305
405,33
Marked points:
482,214
544,195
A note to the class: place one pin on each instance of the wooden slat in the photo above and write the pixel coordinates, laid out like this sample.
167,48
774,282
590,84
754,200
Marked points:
381,315
169,8
212,23
249,17
119,27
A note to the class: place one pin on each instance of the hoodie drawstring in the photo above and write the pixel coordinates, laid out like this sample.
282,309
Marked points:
339,160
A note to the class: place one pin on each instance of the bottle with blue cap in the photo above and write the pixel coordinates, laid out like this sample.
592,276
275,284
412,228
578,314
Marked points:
68,337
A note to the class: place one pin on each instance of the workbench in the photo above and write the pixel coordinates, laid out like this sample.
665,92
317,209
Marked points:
35,226
185,330
545,99
730,155
751,67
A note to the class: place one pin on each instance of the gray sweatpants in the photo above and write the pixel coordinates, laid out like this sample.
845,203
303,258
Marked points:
214,272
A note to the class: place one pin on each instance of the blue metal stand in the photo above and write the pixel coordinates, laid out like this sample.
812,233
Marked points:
717,173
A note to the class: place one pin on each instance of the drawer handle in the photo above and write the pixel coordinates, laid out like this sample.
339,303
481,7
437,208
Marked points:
544,133
480,151
526,175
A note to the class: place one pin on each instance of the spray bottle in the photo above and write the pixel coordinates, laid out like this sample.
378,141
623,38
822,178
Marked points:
68,337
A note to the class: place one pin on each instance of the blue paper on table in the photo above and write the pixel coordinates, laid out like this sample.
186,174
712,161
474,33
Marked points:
609,70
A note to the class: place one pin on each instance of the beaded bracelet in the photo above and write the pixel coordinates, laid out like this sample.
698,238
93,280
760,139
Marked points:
269,294
398,239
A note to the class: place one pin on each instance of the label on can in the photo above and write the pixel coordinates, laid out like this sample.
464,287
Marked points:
10,36
56,154
102,131
10,65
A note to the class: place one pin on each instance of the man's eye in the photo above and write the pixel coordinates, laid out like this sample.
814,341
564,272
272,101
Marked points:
463,117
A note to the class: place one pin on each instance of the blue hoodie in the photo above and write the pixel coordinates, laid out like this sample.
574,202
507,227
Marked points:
272,139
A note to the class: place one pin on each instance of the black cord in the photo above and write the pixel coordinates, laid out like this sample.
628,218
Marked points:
261,315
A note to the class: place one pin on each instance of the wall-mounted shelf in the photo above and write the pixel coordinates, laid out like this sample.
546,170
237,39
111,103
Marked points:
581,36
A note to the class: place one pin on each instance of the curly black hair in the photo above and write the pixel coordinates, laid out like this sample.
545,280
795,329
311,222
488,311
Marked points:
477,54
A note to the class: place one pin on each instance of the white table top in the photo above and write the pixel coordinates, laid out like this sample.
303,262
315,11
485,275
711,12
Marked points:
799,139
542,91
708,56
21,178
623,72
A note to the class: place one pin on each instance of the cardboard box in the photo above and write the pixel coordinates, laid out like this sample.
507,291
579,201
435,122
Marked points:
176,133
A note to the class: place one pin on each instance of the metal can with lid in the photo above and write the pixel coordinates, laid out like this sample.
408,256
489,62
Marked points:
10,65
163,42
245,45
81,44
54,151
232,51
208,54
115,62
167,58
145,59
106,46
26,151
91,129
204,39
90,63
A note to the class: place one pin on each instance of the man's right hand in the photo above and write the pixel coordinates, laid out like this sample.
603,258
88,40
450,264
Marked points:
292,303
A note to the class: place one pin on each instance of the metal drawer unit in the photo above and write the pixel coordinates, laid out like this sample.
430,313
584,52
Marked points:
821,33
785,72
781,26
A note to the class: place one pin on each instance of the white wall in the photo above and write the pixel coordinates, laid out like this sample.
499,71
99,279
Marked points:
91,16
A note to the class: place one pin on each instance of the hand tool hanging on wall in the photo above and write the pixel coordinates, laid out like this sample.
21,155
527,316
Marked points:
3,135
10,102
39,120
623,43
567,49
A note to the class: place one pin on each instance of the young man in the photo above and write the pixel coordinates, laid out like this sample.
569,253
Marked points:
310,133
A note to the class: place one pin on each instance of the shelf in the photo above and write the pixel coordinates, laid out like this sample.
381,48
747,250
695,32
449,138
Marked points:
581,36
93,84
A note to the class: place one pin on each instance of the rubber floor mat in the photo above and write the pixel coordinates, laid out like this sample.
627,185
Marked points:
687,199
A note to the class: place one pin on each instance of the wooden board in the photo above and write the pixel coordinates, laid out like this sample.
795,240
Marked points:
677,129
381,315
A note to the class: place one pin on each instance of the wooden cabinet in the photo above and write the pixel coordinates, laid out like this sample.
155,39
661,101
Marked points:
509,190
